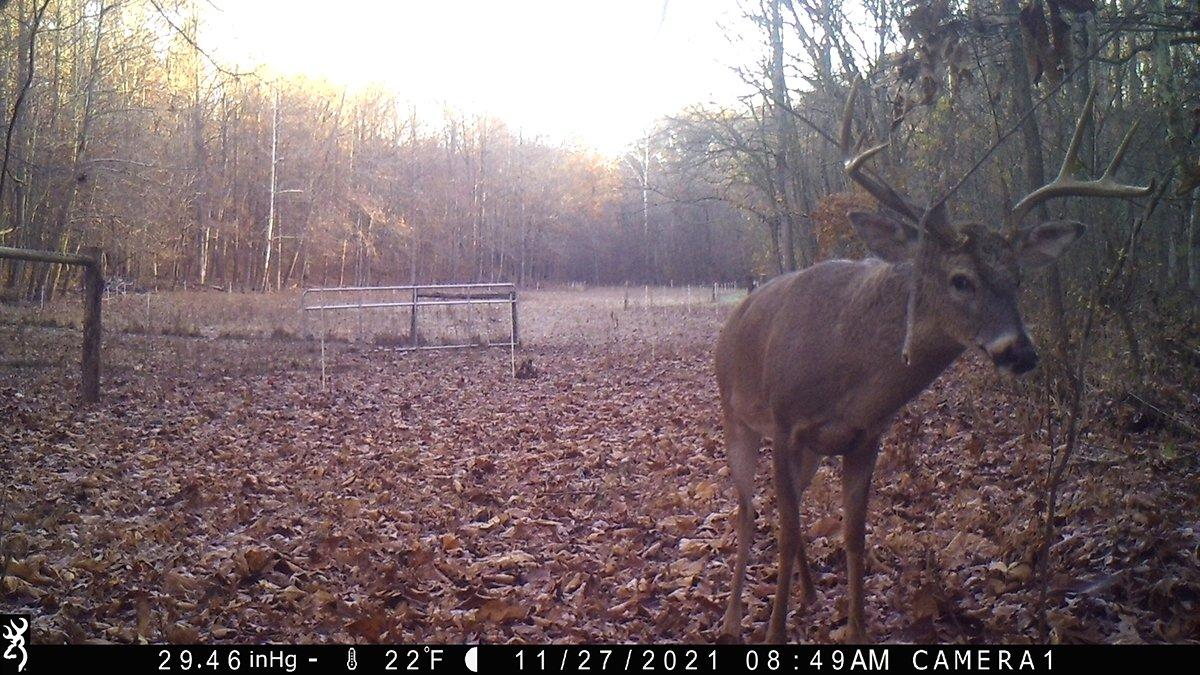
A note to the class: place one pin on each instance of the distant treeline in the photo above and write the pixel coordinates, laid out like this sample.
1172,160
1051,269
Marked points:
120,131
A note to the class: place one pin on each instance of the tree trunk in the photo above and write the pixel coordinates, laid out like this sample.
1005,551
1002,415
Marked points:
266,275
199,160
782,121
62,220
1034,166
1193,251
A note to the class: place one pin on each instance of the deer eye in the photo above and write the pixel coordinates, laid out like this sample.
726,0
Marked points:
962,283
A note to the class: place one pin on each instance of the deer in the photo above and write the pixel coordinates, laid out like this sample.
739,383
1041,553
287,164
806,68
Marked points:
820,360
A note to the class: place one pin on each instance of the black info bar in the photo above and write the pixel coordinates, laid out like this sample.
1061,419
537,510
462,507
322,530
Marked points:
355,659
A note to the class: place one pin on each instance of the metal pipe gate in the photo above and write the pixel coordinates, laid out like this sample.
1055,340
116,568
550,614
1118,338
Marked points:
429,295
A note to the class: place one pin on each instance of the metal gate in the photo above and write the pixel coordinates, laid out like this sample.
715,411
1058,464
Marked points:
354,299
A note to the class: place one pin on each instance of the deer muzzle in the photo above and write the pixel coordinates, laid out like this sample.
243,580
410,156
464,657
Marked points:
1013,353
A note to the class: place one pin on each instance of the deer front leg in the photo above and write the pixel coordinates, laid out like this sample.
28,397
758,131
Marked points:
731,627
857,467
794,470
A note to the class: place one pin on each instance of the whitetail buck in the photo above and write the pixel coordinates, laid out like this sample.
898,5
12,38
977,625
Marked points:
820,359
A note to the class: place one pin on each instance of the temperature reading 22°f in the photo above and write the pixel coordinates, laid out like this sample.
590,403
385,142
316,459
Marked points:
413,659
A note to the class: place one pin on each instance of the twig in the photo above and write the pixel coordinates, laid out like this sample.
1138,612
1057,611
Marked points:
199,50
556,493
1171,416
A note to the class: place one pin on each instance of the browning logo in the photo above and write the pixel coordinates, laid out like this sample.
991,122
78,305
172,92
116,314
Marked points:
16,629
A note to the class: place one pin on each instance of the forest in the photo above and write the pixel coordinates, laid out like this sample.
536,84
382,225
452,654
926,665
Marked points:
122,133
592,504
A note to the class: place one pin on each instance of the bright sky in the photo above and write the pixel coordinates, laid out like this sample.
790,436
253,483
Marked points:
589,72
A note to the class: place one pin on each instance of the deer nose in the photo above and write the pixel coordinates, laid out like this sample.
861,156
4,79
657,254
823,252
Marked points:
1022,359
1014,353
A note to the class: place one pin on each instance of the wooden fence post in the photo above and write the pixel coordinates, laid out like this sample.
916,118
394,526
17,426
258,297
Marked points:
93,285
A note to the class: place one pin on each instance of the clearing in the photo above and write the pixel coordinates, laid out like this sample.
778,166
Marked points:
219,493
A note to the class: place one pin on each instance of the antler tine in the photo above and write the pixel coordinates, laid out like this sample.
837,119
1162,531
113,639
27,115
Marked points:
847,119
1067,184
1120,154
853,164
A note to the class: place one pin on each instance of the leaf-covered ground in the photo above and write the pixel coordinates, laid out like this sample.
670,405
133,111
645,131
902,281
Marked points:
218,493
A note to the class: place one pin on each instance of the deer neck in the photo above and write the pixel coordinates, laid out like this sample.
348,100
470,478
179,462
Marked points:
930,347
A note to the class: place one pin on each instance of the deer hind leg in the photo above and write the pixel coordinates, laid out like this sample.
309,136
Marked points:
794,469
743,446
803,472
857,467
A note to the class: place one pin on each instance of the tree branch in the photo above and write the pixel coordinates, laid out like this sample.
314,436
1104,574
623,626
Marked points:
16,113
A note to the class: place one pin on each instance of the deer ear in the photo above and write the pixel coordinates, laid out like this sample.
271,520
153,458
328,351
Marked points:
1041,244
889,239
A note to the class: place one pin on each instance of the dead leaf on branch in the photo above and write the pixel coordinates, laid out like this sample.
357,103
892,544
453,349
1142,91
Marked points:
1047,35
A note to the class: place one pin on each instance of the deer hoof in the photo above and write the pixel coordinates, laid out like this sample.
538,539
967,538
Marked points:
809,596
727,638
855,636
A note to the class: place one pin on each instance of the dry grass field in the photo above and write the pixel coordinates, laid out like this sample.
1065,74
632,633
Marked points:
220,492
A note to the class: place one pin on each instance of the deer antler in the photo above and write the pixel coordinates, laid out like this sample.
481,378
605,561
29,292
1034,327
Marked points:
853,164
932,220
1068,184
